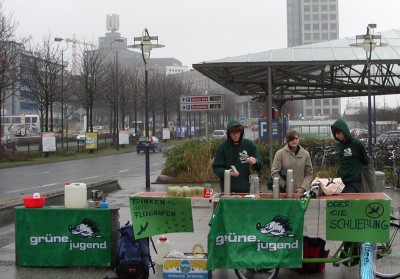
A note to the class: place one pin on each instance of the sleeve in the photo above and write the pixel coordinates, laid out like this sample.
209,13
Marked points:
260,164
219,165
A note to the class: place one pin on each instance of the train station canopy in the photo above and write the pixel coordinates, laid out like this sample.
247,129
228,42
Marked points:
330,69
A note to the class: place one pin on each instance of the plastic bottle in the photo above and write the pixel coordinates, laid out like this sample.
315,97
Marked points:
254,184
163,248
36,195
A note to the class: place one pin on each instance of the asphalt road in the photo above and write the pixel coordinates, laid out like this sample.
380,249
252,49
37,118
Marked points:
20,181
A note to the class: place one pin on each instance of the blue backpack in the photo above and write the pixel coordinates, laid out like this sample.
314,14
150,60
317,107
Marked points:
133,258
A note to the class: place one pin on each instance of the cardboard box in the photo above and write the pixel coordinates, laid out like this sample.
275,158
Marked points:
189,267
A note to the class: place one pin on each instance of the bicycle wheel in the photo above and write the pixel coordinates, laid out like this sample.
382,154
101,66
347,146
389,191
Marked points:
257,273
388,259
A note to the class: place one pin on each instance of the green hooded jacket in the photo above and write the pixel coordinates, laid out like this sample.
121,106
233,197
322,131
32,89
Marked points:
351,154
228,154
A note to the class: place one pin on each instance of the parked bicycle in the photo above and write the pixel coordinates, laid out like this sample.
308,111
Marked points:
387,254
392,172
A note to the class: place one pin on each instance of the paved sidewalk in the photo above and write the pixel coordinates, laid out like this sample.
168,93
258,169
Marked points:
202,209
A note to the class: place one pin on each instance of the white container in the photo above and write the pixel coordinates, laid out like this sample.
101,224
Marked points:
275,188
163,248
75,195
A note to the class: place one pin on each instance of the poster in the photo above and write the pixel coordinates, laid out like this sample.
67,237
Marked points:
261,233
160,215
49,141
91,140
358,220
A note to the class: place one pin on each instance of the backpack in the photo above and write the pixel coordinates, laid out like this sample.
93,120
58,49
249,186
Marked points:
133,258
313,247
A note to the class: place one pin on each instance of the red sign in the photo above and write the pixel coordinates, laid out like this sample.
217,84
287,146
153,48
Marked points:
199,99
200,106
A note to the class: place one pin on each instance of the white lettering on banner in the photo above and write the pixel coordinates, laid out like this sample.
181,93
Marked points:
48,238
272,247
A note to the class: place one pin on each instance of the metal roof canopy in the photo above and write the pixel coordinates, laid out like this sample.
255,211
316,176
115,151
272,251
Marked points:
331,69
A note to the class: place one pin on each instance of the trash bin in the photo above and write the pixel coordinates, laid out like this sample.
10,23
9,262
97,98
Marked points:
380,181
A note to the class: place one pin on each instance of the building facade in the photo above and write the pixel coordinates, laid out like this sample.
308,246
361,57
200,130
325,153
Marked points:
312,21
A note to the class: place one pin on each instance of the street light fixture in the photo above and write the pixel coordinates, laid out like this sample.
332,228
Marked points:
116,100
368,44
62,88
145,44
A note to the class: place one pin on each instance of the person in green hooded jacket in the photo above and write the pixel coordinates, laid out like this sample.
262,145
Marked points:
352,156
239,152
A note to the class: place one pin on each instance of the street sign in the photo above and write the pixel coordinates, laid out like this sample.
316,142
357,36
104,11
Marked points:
201,99
201,103
242,117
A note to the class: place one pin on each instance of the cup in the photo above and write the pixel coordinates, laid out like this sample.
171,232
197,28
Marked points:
207,190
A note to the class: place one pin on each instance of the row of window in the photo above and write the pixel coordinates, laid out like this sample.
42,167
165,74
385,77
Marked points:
325,102
317,37
317,1
320,17
319,8
319,112
322,26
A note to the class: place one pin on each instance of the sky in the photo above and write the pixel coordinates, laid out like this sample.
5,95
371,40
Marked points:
191,30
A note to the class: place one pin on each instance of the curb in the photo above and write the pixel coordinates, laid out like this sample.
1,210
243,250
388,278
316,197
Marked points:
7,213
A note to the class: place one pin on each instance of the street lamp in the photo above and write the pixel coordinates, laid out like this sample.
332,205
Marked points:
62,88
116,100
146,45
369,45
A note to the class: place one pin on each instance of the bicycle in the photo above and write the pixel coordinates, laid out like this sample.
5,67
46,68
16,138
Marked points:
392,172
387,254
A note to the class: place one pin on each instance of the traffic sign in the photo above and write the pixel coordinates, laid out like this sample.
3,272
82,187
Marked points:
201,103
242,117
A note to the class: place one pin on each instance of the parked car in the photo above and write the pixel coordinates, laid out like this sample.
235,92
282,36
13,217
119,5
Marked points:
152,142
9,142
218,134
81,137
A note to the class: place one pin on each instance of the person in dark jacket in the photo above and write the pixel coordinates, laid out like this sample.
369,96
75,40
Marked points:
239,152
352,156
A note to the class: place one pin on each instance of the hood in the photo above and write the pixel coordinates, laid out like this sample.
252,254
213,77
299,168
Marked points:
230,124
341,125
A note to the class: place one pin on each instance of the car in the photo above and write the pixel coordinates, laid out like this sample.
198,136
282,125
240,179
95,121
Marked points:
218,134
81,137
132,135
254,128
9,142
152,142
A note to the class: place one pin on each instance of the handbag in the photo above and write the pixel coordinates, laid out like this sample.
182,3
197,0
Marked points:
368,179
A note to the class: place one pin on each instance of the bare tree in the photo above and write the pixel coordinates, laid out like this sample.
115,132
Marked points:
92,81
10,56
41,76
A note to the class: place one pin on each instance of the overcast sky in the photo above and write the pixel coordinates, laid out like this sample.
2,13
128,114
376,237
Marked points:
192,30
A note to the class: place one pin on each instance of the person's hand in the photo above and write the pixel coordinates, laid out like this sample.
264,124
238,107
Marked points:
235,174
251,160
299,191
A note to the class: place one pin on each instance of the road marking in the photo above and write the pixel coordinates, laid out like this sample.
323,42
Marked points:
38,187
40,173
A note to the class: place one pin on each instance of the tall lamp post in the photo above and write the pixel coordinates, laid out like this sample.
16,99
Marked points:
116,100
368,44
62,88
146,43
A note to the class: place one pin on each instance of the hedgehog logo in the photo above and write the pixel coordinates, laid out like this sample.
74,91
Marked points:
279,226
87,229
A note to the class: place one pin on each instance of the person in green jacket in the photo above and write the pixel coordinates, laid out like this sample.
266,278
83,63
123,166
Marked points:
352,156
239,152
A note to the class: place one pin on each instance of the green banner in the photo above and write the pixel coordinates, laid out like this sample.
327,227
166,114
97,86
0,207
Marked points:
62,237
160,215
358,220
264,233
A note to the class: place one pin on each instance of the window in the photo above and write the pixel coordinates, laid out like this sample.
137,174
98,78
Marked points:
332,7
315,8
317,102
332,16
326,111
316,36
308,112
307,8
315,17
333,26
324,17
318,112
307,27
315,26
325,36
309,103
326,102
307,36
324,8
307,17
335,112
335,102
